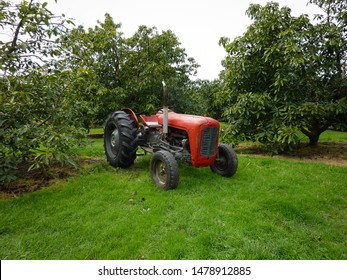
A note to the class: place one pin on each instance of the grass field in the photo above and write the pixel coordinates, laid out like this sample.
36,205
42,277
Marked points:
271,209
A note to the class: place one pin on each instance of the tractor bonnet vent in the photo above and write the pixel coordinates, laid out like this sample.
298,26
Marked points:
209,141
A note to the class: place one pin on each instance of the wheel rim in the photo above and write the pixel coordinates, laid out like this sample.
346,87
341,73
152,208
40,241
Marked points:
221,163
161,172
114,141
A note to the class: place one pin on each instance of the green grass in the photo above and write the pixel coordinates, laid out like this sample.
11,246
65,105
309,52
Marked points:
332,135
97,130
271,209
94,148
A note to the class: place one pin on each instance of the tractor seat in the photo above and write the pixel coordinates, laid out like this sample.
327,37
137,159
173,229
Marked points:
150,121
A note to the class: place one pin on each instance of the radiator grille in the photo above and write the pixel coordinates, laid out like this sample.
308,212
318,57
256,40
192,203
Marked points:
209,141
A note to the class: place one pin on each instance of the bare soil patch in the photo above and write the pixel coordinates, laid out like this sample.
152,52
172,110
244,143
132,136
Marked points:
40,178
334,153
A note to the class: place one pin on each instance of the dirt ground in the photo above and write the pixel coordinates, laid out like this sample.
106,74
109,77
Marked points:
39,178
334,153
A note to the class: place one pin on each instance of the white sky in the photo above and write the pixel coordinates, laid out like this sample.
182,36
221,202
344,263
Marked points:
199,24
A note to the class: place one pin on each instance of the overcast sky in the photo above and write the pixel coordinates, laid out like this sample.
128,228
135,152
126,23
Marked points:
199,24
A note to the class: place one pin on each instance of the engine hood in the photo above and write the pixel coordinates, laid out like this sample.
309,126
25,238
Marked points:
183,121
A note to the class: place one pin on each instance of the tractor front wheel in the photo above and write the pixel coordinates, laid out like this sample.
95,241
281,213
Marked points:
164,170
226,161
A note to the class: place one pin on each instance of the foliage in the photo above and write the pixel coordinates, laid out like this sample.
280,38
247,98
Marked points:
284,75
336,19
152,58
128,72
41,111
30,33
201,98
96,54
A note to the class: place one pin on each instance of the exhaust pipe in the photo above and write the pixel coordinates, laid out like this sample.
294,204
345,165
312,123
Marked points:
165,110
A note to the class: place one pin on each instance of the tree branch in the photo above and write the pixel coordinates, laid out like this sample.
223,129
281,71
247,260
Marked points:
19,26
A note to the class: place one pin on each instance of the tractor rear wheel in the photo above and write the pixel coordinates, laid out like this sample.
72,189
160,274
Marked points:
164,170
120,139
226,161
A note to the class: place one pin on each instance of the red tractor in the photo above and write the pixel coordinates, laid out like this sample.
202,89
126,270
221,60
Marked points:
169,136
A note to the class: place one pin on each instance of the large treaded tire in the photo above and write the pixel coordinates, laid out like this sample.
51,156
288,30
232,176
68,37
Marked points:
164,170
226,162
120,139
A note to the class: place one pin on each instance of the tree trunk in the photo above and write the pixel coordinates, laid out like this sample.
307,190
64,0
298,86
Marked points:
314,139
315,130
311,135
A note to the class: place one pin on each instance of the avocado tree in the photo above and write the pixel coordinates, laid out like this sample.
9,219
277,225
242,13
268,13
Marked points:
151,58
127,72
40,116
283,76
96,54
333,23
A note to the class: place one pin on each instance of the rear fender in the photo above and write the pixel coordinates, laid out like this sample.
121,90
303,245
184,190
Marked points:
132,115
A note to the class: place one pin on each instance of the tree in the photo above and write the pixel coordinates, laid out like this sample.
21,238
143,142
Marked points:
41,112
96,54
127,72
333,23
151,58
201,98
281,77
32,31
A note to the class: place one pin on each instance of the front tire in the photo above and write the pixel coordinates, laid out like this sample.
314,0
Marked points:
226,161
120,139
164,170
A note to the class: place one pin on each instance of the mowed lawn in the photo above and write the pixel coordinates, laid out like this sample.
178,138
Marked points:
271,209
